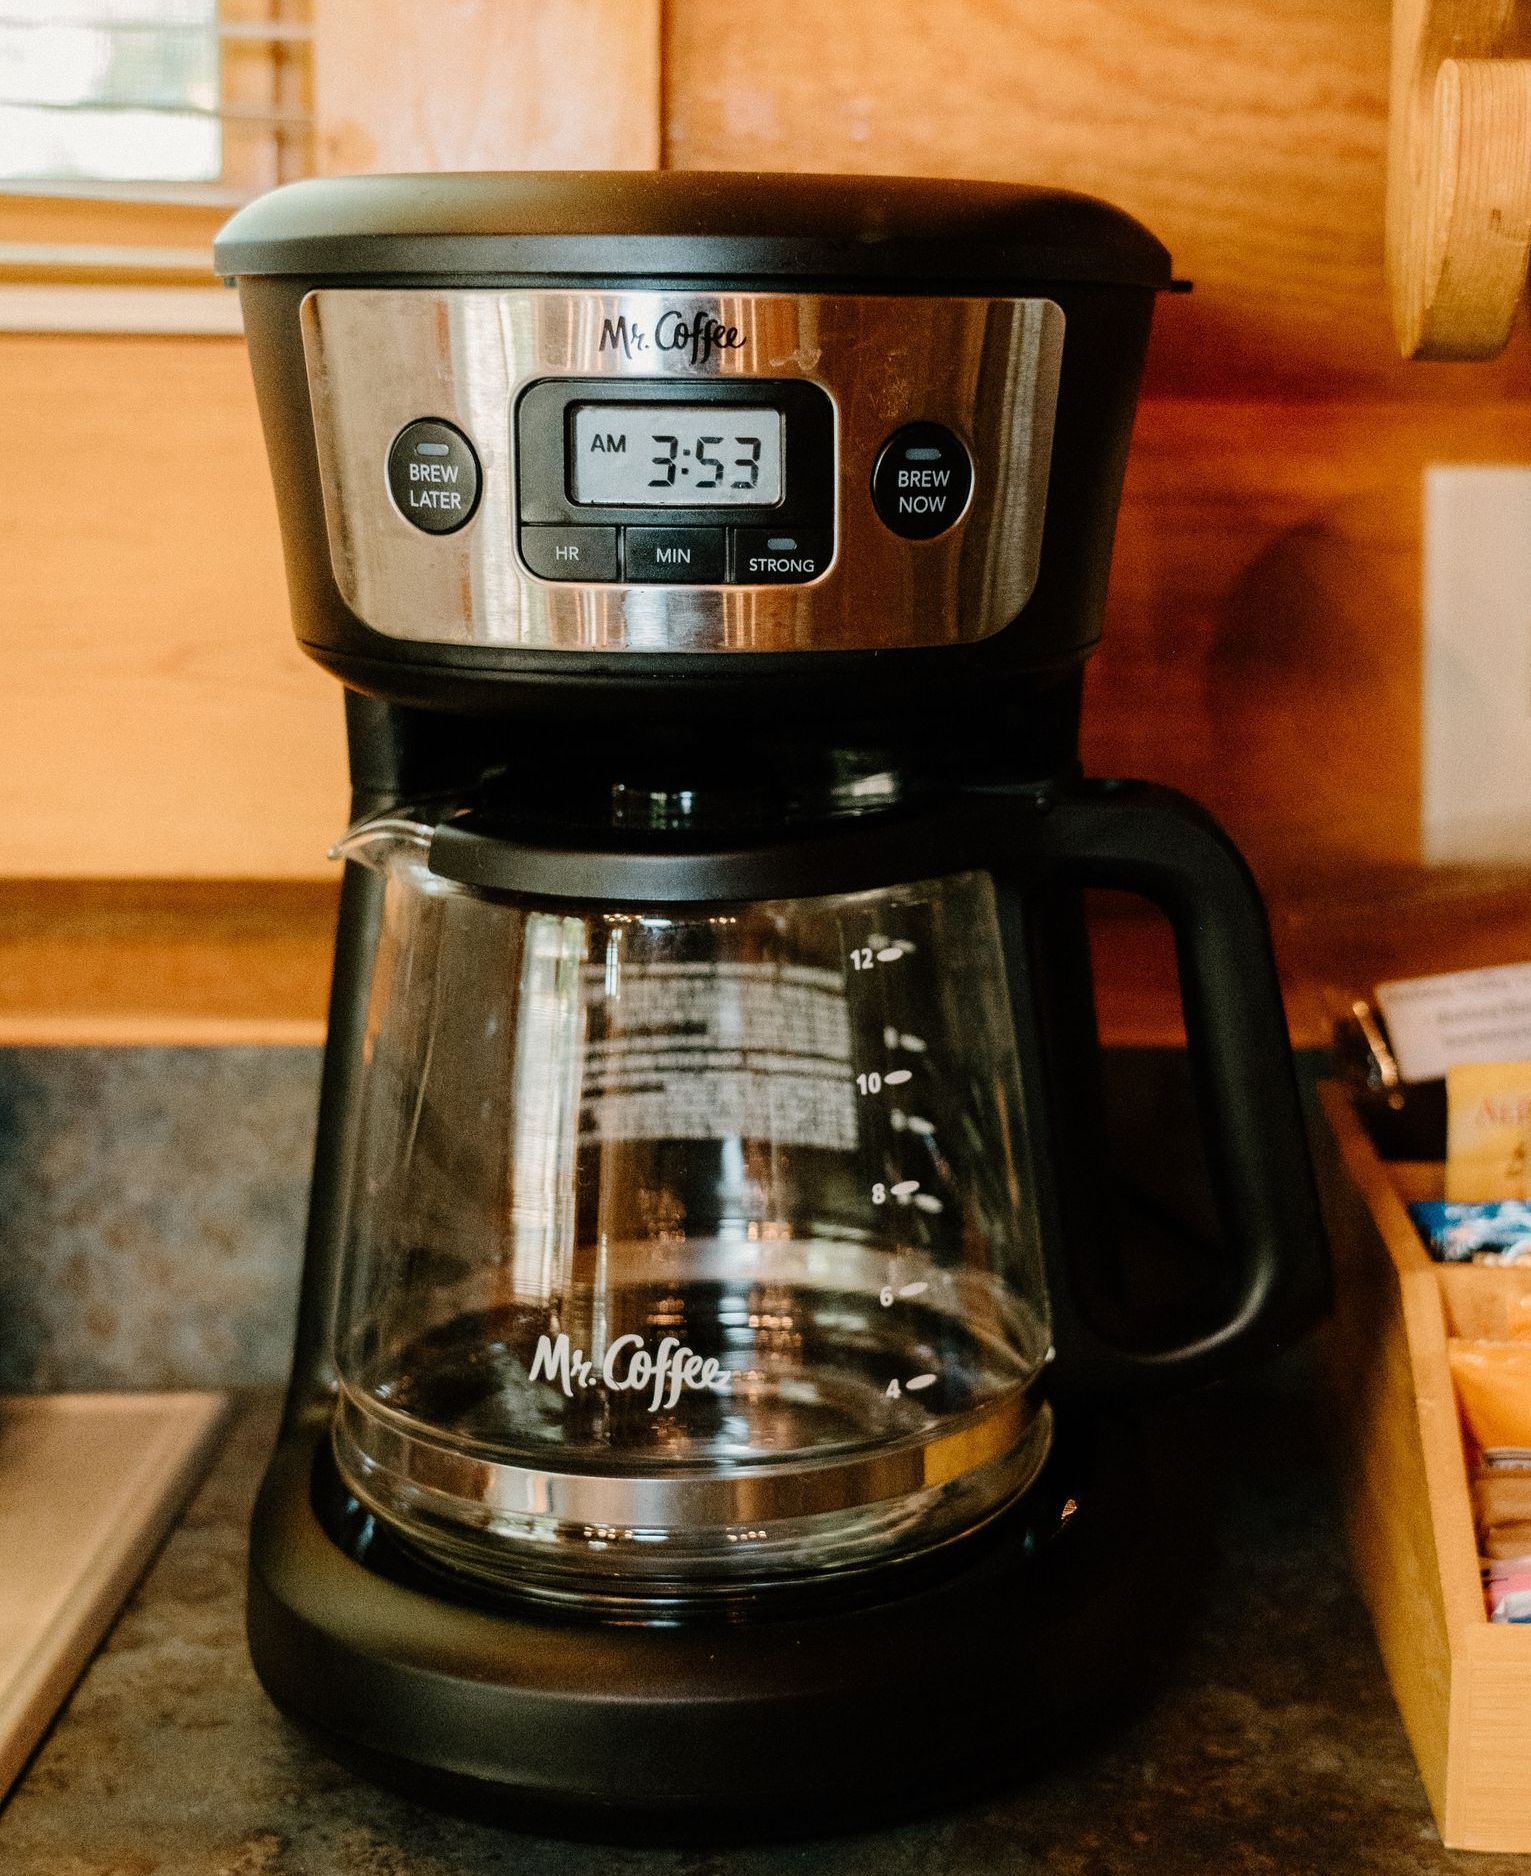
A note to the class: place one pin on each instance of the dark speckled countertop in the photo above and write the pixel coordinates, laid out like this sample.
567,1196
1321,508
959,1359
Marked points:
1272,1746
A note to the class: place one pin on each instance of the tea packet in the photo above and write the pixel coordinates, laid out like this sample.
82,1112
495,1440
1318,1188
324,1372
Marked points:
1493,1388
1488,1132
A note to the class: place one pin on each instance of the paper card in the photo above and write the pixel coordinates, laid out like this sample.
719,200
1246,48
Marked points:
1462,1016
1488,1131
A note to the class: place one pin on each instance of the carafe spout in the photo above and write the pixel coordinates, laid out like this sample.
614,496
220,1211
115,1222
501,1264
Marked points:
382,838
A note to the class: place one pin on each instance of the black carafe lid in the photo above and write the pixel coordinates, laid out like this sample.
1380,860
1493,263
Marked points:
905,234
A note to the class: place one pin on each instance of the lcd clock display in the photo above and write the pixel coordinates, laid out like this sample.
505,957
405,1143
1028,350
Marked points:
675,456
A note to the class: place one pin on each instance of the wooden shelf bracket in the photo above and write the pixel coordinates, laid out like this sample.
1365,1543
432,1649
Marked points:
1459,176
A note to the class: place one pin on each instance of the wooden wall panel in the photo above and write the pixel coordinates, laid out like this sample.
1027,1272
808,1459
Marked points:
1249,134
160,721
1262,639
479,84
1262,652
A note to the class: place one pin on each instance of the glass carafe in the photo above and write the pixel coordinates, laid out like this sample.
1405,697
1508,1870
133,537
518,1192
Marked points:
687,1246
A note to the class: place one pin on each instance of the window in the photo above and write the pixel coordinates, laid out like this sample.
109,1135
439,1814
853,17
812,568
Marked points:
128,130
195,99
101,90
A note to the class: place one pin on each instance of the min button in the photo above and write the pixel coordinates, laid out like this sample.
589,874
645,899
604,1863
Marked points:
922,481
433,476
676,556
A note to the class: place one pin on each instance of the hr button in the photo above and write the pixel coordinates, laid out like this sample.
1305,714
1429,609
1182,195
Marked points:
570,553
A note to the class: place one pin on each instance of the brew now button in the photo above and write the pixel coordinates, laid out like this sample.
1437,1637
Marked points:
433,476
922,481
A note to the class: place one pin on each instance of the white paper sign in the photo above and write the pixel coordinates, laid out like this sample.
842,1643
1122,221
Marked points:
1463,1016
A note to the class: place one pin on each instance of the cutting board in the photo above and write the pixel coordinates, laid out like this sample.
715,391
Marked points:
89,1486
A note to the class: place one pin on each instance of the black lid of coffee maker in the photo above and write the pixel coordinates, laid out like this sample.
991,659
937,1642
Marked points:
886,233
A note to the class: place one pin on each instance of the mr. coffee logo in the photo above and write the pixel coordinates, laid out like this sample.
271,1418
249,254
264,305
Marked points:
699,336
628,1367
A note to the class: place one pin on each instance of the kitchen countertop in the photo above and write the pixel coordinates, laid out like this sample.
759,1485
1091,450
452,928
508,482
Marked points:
1272,1746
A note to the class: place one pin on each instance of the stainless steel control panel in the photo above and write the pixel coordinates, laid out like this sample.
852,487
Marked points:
734,485
656,472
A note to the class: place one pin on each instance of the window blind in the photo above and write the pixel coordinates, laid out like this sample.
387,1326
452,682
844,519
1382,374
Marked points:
190,104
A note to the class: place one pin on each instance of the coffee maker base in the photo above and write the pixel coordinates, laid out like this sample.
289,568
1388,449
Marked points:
792,1723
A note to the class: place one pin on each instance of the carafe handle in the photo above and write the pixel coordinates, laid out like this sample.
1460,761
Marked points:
1161,846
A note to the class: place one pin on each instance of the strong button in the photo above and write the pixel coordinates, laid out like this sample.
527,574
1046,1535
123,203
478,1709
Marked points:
922,481
433,476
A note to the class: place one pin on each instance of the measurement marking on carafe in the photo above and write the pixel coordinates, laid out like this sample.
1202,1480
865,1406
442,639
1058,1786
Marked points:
888,1296
906,1191
895,1390
879,950
869,955
896,1077
915,1123
902,1039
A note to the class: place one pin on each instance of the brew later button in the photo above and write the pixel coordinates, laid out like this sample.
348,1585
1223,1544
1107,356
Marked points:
433,476
922,481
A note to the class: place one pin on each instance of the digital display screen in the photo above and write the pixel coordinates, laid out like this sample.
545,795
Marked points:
676,456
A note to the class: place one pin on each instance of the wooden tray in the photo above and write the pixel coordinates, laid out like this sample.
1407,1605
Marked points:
89,1485
1463,1683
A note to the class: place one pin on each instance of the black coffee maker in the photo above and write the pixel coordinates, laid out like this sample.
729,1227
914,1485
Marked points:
713,1308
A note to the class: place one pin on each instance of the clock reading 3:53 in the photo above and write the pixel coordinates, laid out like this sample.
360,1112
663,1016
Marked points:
675,456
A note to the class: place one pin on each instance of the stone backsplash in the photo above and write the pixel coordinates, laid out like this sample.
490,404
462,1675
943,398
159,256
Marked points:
151,1214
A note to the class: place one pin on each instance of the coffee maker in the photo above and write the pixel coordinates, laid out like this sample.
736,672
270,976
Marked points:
709,1387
